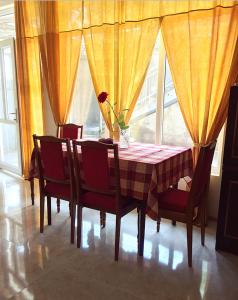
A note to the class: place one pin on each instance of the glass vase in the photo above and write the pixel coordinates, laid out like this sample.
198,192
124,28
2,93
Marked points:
124,138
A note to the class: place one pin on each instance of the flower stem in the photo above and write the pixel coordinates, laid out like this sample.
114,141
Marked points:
114,113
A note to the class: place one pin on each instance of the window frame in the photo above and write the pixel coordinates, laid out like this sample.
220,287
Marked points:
160,98
215,171
160,92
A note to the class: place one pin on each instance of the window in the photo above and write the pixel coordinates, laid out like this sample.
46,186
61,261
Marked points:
174,130
158,103
156,118
143,119
217,159
85,109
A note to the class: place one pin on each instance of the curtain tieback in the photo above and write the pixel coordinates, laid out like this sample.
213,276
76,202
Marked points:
200,145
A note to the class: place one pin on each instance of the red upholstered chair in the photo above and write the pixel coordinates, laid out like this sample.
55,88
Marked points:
55,169
68,131
99,189
178,205
65,131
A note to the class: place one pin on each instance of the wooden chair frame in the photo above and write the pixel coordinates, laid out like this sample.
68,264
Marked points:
120,211
78,127
58,135
59,128
188,216
43,179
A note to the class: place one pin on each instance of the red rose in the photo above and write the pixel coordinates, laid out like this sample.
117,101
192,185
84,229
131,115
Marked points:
102,97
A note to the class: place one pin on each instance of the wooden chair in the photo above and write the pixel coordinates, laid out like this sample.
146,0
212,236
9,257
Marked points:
55,169
178,205
65,131
68,131
96,191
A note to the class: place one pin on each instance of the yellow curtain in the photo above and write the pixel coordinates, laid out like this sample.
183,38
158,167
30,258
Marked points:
97,12
60,33
119,49
119,37
28,79
201,50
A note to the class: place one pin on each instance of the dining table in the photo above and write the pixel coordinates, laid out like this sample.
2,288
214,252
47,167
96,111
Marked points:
146,170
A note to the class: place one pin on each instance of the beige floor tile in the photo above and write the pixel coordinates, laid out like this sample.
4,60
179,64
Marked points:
47,266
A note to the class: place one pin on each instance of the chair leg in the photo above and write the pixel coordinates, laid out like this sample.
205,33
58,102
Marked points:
32,191
173,222
117,237
58,205
158,224
79,225
49,209
190,242
141,231
102,219
72,233
202,226
175,186
42,208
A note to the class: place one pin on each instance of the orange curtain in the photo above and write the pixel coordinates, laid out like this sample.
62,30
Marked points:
201,50
28,79
119,50
60,44
119,35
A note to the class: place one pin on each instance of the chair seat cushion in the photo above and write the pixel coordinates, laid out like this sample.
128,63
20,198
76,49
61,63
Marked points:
103,202
57,190
174,200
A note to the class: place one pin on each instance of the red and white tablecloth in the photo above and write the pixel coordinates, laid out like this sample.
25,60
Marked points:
147,170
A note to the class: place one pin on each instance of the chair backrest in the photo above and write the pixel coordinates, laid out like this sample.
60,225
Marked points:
201,175
54,159
93,162
70,131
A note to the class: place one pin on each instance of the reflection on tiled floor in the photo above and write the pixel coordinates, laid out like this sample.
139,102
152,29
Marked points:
46,266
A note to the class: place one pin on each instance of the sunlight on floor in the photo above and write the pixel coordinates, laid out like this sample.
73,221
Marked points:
47,266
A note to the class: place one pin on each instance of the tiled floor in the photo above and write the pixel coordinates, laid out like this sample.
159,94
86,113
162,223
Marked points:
47,266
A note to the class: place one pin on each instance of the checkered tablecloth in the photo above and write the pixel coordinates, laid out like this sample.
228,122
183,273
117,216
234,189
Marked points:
147,170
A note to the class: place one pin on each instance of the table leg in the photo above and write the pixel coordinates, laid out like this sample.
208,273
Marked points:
158,224
102,219
141,225
58,205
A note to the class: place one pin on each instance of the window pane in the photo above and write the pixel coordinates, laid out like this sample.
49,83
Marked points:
85,109
143,120
174,129
2,115
8,72
217,159
9,145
